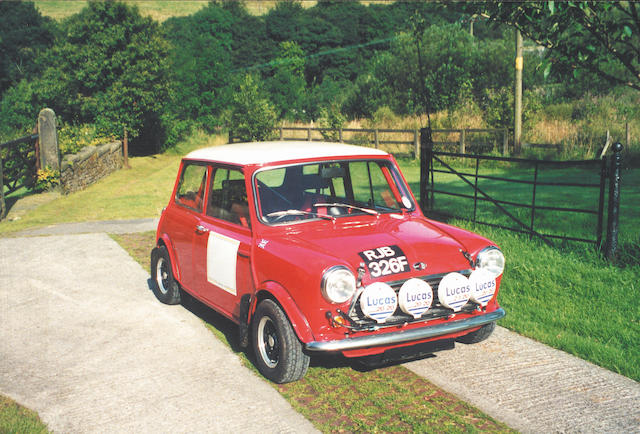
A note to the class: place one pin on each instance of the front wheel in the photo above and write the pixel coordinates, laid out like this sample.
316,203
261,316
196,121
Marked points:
479,335
279,355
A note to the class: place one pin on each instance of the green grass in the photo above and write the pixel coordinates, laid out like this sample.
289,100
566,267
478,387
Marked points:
139,192
335,396
15,418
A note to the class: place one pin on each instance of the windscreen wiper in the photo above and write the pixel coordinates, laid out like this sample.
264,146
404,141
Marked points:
296,212
345,205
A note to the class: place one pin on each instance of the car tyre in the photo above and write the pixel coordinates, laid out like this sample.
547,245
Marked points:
165,287
279,355
479,335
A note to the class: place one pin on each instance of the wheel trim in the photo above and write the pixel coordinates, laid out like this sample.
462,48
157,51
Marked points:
268,342
162,275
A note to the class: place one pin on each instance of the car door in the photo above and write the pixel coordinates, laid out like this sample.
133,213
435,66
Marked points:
222,243
184,215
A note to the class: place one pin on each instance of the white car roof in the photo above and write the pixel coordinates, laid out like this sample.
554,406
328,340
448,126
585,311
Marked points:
271,152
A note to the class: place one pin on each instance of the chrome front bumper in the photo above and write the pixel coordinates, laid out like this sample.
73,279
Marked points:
403,336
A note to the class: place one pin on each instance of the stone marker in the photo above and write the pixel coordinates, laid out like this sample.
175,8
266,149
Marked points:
49,152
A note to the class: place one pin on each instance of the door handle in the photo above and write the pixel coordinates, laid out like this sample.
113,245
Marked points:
201,229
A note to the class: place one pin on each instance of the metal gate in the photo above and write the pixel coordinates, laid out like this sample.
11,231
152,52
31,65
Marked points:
603,171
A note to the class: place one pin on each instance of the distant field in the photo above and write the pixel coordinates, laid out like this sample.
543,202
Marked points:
158,10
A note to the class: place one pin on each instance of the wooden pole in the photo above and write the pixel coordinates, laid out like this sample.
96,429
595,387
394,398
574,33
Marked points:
125,150
505,142
517,127
3,206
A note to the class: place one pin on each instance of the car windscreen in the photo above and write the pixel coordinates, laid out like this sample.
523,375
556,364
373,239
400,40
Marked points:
329,190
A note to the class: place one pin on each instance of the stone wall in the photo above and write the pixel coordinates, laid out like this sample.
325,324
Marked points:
92,163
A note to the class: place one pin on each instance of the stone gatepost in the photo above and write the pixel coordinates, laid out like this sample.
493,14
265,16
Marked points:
48,136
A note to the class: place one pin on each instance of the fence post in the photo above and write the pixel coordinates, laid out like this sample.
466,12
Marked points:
281,133
505,142
426,149
376,140
125,149
49,152
614,202
309,134
416,145
340,135
462,144
3,207
230,136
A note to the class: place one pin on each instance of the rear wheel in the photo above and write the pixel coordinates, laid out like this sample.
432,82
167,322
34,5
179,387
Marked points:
279,355
165,286
479,335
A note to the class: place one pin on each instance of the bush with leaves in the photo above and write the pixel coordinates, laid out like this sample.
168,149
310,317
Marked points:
200,57
109,68
252,117
24,35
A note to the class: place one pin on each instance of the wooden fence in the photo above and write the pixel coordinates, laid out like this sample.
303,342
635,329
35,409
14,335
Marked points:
406,142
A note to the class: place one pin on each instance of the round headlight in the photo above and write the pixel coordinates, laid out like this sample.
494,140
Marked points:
338,284
492,260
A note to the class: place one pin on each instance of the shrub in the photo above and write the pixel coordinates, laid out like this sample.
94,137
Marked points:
72,138
110,70
332,119
252,116
46,179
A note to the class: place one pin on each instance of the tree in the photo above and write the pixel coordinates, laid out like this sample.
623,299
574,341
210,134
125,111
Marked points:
600,37
200,64
253,118
287,86
109,68
24,34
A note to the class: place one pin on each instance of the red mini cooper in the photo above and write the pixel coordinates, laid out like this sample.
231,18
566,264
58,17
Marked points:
320,248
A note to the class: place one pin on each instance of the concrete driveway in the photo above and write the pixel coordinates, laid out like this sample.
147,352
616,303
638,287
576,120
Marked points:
84,343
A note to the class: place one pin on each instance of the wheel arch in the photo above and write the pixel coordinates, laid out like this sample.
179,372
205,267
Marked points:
278,294
165,241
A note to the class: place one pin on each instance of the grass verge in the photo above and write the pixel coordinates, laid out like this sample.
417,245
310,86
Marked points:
344,398
15,418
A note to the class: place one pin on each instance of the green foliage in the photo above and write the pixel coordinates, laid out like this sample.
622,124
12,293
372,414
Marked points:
24,35
19,109
72,138
46,179
109,69
332,119
200,58
252,117
601,38
287,86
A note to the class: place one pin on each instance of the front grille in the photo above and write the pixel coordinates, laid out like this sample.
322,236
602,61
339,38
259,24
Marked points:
360,321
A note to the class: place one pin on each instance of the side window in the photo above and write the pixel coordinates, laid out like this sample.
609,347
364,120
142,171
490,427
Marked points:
192,185
228,197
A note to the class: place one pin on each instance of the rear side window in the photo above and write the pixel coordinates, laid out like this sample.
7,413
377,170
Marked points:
193,182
